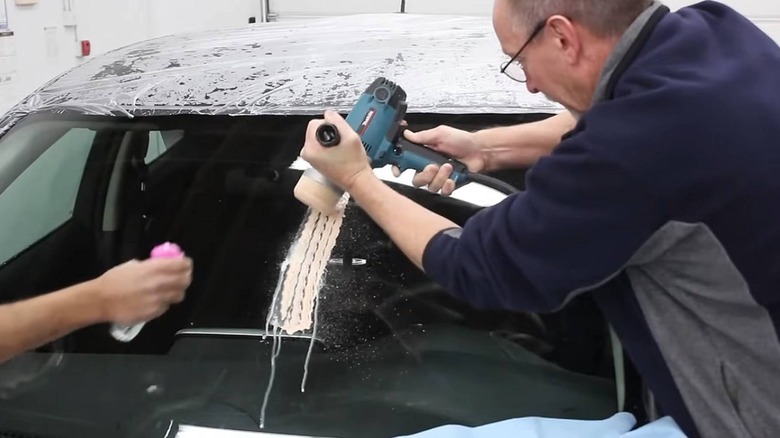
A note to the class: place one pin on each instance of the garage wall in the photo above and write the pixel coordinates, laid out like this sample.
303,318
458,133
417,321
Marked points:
34,52
46,34
284,10
45,37
765,13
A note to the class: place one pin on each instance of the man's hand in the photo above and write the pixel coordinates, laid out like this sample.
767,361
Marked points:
139,291
516,146
341,164
461,145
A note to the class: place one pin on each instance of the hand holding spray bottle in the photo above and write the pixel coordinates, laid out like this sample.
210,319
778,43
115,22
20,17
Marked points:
126,333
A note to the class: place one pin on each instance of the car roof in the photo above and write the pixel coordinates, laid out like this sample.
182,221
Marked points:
446,64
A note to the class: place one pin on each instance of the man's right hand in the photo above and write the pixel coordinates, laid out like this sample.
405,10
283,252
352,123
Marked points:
138,291
456,143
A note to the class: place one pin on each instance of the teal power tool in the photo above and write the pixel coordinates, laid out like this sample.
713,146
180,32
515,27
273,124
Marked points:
377,118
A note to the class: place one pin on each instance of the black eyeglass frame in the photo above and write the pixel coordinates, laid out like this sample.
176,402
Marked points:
538,28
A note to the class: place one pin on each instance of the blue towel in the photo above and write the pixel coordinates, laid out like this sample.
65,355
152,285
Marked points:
618,426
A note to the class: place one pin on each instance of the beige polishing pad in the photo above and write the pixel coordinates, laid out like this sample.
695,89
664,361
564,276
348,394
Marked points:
316,195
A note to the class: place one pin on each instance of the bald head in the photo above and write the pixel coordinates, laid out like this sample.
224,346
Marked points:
607,18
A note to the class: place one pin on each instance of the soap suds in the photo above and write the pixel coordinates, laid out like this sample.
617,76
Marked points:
296,298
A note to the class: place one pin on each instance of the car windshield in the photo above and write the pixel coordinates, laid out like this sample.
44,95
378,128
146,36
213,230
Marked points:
393,353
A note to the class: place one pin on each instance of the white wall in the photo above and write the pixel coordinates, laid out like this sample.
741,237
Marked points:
44,45
37,45
284,10
297,9
176,16
765,13
465,7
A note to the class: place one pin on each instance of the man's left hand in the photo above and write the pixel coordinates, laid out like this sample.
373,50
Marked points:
341,164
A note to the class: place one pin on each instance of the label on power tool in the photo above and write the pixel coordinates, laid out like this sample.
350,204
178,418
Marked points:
366,121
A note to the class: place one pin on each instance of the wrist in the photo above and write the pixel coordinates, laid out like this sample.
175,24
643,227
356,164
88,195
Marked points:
91,302
359,179
481,142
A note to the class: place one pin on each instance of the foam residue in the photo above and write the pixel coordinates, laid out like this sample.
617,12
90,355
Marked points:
296,298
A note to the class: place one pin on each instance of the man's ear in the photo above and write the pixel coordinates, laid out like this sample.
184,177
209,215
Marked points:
565,37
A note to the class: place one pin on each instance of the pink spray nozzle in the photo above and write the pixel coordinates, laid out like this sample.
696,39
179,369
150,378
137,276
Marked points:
167,250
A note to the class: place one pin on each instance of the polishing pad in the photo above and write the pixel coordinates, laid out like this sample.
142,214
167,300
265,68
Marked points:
316,195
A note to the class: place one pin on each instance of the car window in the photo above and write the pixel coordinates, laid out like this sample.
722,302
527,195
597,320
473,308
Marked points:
161,141
392,352
42,197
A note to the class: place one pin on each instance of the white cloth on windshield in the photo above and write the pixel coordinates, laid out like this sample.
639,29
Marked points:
619,425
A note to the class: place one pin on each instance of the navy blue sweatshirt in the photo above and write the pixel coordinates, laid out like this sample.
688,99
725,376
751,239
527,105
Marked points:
663,202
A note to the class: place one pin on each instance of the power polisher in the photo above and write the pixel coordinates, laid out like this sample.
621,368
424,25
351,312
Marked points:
376,118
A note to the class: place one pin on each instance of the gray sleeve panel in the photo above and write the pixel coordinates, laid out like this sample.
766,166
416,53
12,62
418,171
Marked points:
720,345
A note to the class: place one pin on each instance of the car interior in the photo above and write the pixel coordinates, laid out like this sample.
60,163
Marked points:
390,345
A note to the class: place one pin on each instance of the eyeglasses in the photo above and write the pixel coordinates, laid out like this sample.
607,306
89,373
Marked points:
513,68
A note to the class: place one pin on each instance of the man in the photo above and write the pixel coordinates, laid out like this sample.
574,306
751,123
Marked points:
663,199
133,292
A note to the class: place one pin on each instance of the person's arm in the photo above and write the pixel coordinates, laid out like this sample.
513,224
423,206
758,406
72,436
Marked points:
577,224
522,145
29,324
410,225
580,220
518,146
132,292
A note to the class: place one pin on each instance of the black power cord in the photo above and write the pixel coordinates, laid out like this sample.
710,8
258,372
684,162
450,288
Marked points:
493,183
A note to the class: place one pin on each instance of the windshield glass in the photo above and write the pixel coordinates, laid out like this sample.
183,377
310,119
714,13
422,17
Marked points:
392,354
